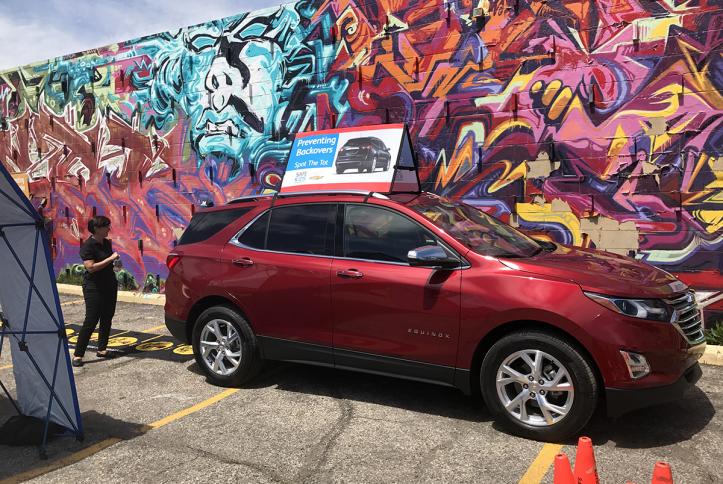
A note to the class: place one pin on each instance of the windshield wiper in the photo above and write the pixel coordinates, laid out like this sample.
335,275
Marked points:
546,246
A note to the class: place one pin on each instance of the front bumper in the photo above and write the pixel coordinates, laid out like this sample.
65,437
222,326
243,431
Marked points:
177,328
622,401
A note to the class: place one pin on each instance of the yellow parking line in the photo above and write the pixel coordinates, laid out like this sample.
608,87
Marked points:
62,462
155,328
103,444
152,338
199,406
539,467
118,334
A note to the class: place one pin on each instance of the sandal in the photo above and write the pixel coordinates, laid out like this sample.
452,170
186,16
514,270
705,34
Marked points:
105,355
77,362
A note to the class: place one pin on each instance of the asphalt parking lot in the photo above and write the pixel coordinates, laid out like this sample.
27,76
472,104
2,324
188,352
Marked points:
150,416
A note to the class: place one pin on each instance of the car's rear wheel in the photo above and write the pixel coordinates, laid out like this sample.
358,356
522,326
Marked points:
538,385
225,347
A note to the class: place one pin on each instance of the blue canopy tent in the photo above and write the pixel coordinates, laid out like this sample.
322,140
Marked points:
32,321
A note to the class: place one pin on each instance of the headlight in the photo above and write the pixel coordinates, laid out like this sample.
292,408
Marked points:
653,309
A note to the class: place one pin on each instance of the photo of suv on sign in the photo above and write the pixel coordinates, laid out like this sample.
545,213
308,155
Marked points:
363,154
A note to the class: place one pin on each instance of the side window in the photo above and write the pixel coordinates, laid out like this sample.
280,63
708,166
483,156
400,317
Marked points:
205,225
303,229
255,235
378,234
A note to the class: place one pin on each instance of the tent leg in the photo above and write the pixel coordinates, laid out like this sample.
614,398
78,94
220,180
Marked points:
2,331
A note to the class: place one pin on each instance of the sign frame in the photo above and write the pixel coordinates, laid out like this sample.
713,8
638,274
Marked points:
324,161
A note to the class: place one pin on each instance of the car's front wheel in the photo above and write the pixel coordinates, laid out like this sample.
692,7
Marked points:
225,347
538,385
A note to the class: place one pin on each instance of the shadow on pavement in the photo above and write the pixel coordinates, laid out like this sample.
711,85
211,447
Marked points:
366,388
98,427
658,426
646,428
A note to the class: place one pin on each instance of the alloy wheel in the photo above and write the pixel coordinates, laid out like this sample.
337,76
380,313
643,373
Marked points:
535,388
220,347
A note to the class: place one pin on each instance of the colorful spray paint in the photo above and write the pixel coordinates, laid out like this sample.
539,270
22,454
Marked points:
595,123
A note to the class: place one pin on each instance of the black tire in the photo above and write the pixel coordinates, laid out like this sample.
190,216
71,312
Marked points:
250,361
581,373
339,171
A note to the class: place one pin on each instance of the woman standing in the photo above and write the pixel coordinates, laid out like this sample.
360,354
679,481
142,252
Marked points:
100,288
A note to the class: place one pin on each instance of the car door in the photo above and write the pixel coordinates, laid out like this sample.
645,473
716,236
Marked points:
278,268
389,316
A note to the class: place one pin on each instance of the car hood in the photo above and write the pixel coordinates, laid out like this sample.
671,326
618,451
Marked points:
601,272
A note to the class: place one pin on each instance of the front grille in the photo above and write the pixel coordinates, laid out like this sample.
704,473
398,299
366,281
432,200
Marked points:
689,320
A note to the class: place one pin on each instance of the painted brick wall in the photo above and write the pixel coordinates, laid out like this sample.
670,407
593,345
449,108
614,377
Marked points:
594,123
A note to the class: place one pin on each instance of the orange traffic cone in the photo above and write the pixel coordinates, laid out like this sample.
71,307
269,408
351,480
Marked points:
563,471
585,468
662,474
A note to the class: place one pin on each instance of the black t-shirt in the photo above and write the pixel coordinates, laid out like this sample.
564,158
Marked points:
97,252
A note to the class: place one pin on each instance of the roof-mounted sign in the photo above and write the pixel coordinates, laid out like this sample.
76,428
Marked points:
376,158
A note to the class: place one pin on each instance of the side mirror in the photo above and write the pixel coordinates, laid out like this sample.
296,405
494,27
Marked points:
432,256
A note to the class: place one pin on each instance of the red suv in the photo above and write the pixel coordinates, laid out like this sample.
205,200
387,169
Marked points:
421,287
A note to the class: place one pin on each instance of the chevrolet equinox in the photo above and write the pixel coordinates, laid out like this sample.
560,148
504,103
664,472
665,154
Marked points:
422,287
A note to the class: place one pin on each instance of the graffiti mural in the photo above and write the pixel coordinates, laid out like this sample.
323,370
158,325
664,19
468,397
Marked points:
590,122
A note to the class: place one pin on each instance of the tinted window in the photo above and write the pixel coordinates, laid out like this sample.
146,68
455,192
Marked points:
303,229
255,235
375,233
204,225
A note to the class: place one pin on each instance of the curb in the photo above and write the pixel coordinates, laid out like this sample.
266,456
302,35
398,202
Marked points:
713,355
123,296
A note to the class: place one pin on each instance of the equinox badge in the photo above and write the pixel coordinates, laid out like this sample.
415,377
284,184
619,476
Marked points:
424,332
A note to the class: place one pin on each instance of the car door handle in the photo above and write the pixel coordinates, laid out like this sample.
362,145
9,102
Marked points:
243,262
350,274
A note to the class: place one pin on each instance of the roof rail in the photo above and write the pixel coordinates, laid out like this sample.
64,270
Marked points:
249,198
361,193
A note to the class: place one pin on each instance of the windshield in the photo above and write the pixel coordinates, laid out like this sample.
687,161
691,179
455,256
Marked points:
475,229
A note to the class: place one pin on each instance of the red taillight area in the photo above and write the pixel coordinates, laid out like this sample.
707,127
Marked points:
172,260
